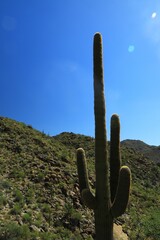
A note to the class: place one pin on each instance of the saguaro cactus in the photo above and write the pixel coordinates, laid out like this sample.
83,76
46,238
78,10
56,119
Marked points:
112,181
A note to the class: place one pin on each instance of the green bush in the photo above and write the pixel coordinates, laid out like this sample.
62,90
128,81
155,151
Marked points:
18,196
3,200
27,218
12,231
16,209
5,184
77,216
152,224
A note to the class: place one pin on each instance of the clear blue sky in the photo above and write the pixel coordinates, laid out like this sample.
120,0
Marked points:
46,77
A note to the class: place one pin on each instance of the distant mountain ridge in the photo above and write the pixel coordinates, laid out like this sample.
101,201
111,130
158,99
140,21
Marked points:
149,151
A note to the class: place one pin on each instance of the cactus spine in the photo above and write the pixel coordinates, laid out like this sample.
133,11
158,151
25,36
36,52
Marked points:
112,181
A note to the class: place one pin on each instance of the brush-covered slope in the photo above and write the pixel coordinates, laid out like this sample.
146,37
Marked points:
38,186
39,195
142,220
151,152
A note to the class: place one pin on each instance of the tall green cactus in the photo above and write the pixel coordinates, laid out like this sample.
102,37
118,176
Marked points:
112,181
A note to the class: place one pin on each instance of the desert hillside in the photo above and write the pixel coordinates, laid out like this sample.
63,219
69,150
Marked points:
39,194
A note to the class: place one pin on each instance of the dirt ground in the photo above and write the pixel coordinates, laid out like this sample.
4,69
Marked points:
119,234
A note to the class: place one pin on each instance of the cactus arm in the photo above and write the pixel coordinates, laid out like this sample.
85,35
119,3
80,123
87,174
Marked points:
122,195
82,170
119,178
115,161
86,194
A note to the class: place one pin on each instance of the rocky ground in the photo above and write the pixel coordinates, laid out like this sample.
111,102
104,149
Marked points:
39,194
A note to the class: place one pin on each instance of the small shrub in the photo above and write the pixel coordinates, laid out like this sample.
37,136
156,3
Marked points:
16,209
12,231
77,216
40,177
18,196
46,208
27,218
3,200
68,209
29,195
5,184
152,224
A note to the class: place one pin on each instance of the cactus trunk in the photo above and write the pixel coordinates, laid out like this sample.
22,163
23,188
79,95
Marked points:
103,223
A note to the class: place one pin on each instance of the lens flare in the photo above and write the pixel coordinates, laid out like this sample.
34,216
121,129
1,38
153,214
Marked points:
154,15
131,48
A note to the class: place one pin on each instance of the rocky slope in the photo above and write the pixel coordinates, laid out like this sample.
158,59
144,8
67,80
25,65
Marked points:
39,195
151,152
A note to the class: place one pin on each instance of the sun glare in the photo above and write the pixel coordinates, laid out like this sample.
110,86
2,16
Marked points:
154,15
